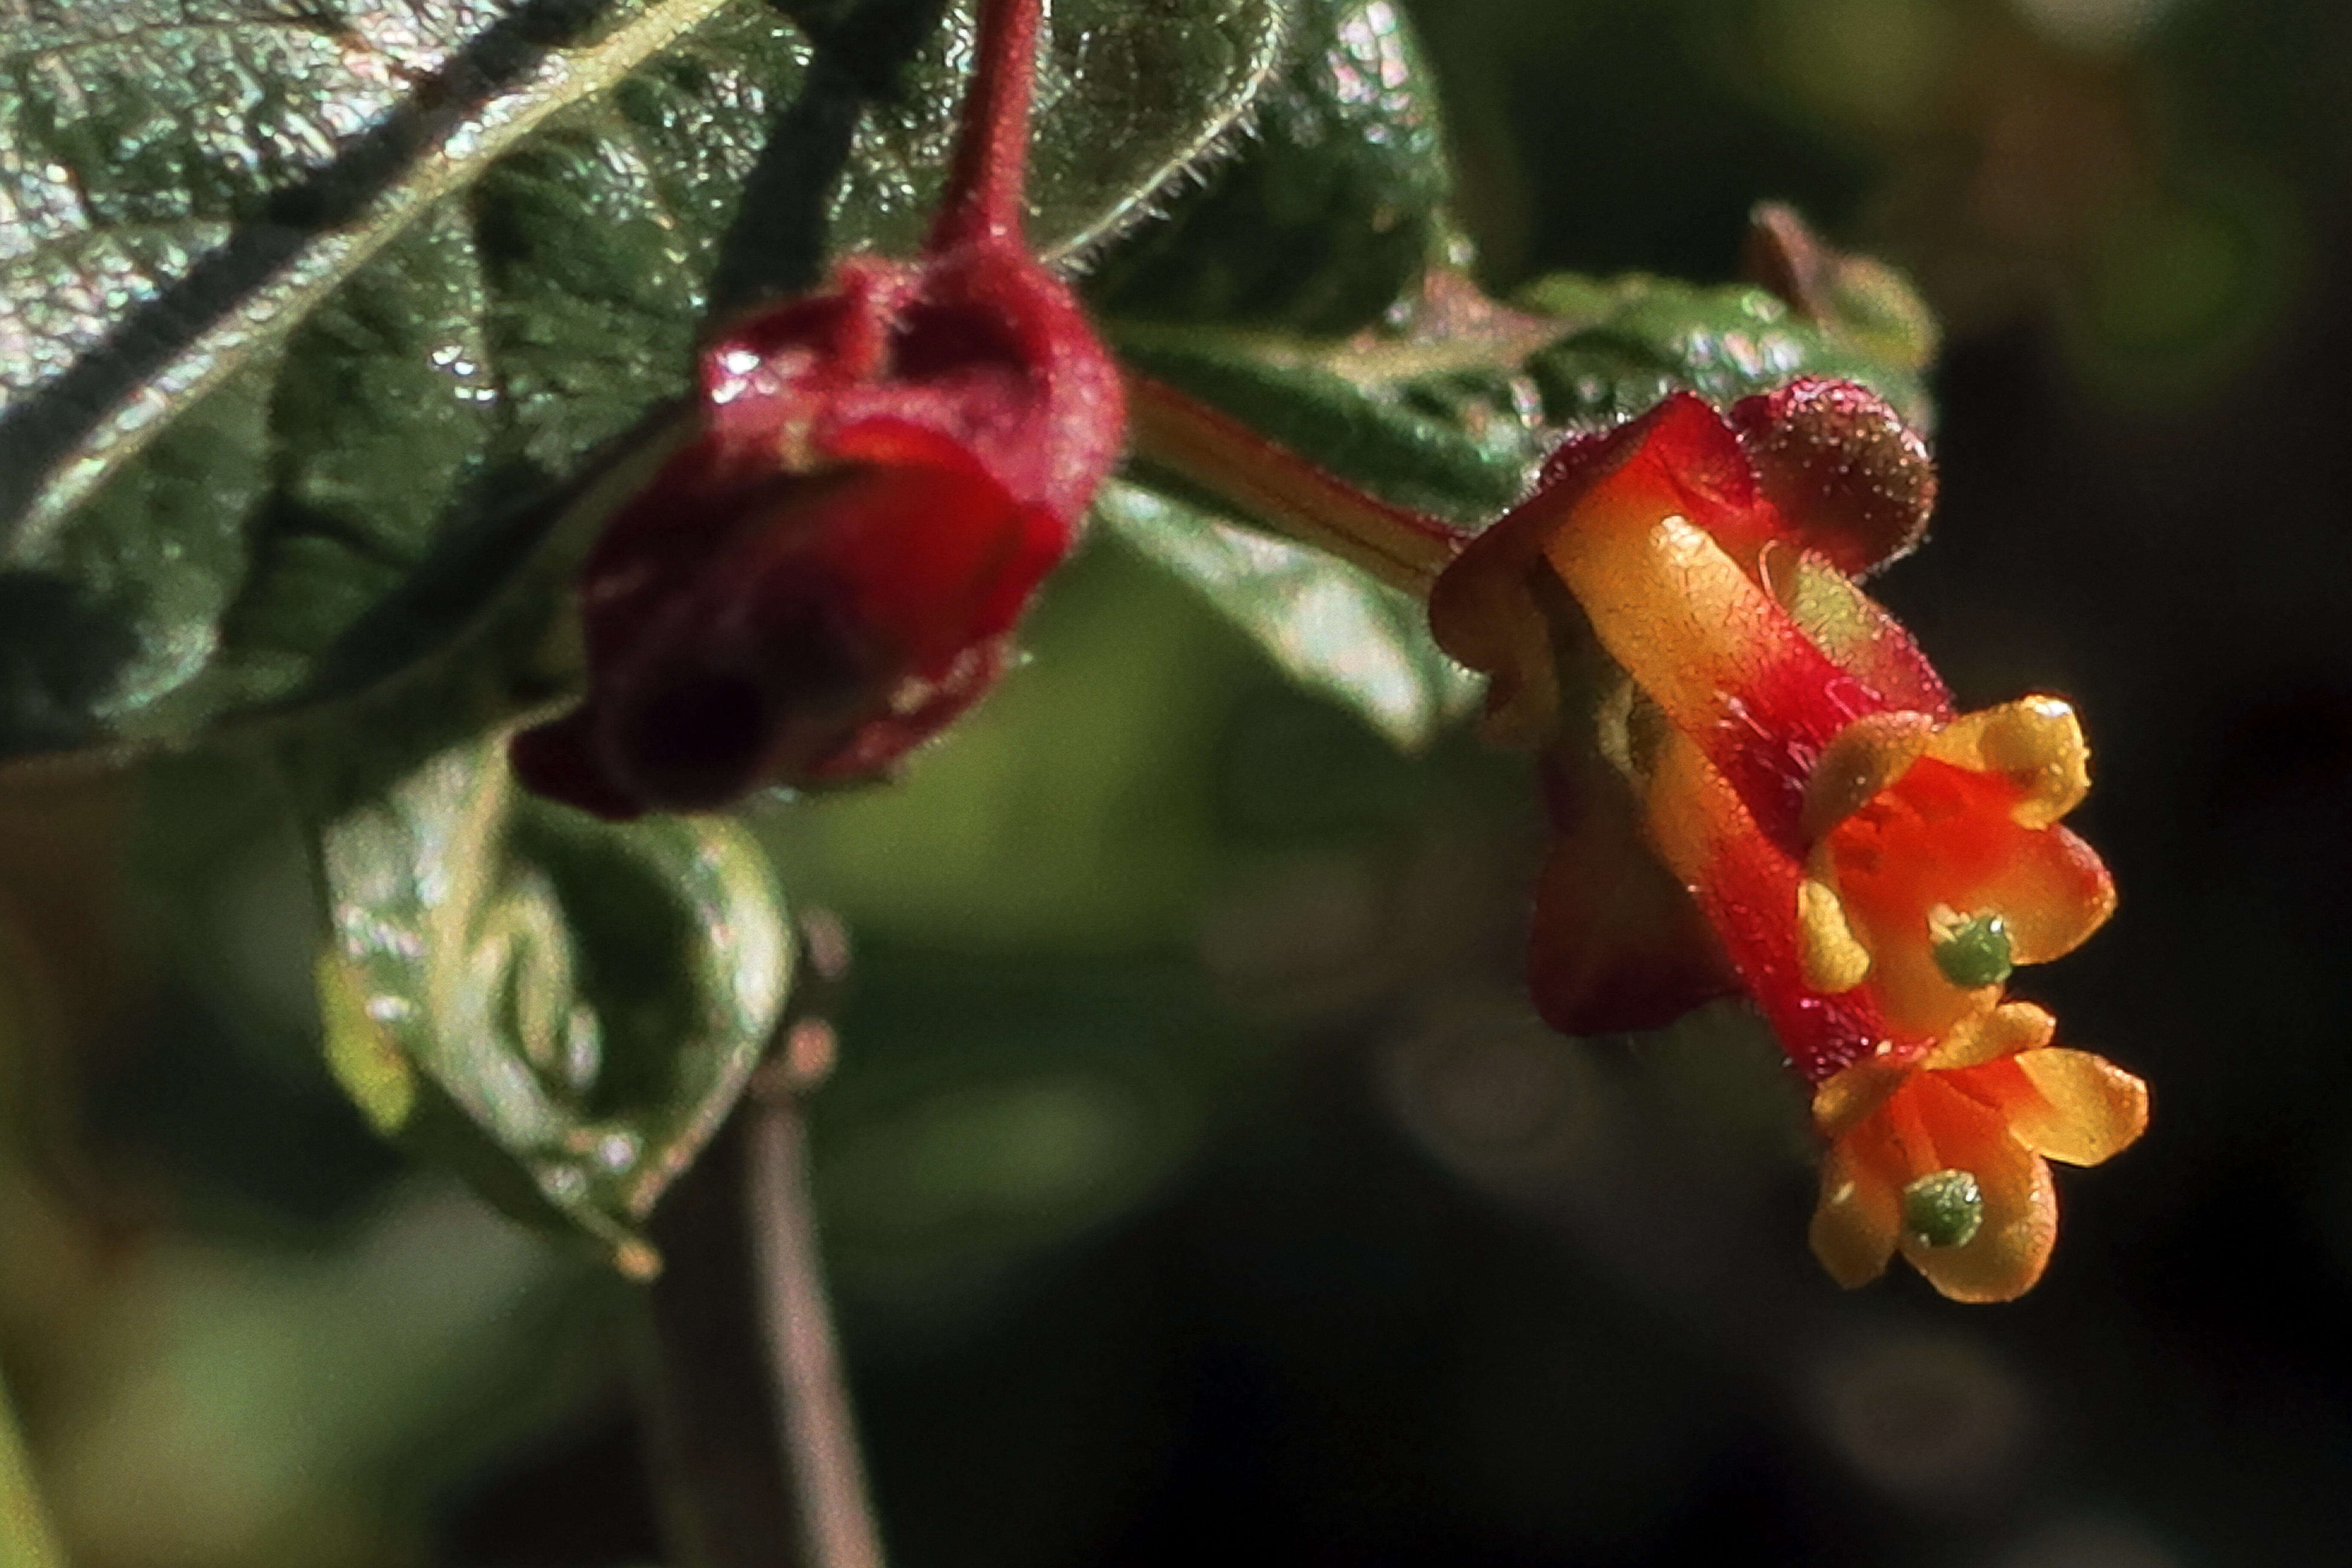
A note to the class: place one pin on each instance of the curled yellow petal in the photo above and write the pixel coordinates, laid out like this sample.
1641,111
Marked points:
2007,1029
1851,1093
1855,1226
2036,742
1833,960
1867,756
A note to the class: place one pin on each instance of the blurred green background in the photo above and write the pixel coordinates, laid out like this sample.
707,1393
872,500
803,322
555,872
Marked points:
1195,1181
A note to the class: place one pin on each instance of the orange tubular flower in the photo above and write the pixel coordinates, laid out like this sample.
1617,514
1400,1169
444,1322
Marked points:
1830,836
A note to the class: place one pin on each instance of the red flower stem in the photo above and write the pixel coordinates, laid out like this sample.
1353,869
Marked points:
1268,483
992,153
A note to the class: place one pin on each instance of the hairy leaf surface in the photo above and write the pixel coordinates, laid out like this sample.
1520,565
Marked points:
310,308
1329,212
1636,339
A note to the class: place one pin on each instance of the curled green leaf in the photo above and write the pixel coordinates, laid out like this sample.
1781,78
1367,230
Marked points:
563,1009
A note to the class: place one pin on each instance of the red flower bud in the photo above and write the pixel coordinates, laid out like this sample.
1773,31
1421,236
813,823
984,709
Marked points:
831,569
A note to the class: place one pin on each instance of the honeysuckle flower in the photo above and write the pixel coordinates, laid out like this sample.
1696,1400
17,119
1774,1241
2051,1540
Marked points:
878,477
1671,615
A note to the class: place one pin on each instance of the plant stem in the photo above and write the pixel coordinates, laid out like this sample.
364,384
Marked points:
1274,486
803,1358
764,1472
992,152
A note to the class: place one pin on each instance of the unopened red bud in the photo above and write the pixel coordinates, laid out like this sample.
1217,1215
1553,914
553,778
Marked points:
821,626
879,476
1852,481
830,572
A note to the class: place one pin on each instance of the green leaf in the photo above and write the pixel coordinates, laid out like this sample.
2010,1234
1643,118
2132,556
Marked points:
1444,425
1446,406
1326,223
1326,625
563,1008
312,309
1639,338
1433,412
1328,214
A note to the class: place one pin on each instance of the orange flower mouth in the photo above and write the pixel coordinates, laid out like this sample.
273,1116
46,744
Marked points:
1946,1160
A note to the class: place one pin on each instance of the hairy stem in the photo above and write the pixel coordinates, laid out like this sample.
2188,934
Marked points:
992,153
1273,486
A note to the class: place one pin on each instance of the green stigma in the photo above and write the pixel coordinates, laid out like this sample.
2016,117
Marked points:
1972,950
1943,1208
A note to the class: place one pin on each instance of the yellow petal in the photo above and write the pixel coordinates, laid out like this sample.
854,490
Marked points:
1851,1093
1867,756
2054,891
2035,742
2093,1108
2007,1257
2007,1254
1832,958
1917,996
1854,1226
2008,1028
